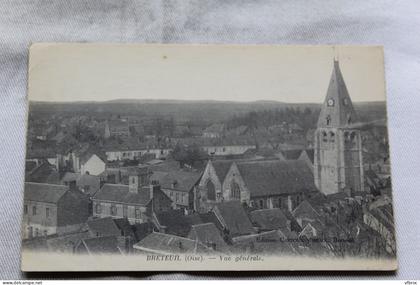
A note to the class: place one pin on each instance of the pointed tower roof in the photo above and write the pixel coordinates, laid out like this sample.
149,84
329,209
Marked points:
337,109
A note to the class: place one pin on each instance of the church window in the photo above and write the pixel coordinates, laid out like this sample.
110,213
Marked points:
324,137
235,191
345,101
211,191
349,119
332,137
328,120
352,136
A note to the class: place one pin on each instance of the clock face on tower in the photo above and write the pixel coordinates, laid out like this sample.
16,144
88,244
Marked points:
330,102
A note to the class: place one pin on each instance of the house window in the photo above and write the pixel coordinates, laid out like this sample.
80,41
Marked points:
137,213
261,203
280,202
211,191
47,212
25,209
113,210
176,197
45,232
98,208
36,232
34,210
235,191
125,211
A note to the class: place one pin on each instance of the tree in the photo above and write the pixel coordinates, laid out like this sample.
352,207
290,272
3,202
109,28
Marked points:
188,154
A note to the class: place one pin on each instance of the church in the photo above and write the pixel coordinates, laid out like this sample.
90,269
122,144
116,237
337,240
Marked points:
284,183
338,163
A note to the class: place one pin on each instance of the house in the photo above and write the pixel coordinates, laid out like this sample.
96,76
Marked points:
41,151
175,222
227,149
137,201
269,219
116,128
88,184
214,131
99,246
84,159
305,213
135,150
233,218
50,209
209,235
43,173
257,183
380,219
164,244
120,228
179,185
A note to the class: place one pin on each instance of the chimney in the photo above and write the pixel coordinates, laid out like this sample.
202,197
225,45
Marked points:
138,178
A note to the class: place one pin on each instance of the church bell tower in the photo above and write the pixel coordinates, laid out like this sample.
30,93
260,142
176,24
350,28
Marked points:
338,164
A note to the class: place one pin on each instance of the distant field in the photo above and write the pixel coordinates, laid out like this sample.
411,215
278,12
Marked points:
181,111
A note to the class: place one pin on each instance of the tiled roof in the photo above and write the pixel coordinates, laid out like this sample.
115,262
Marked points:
41,192
164,243
208,235
234,218
305,210
291,154
269,219
216,128
274,177
119,193
103,227
177,180
102,245
337,105
221,167
43,173
176,222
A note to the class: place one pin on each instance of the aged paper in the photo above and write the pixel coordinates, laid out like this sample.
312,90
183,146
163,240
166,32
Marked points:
207,157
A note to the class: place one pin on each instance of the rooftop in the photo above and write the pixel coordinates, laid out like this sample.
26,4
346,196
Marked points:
42,192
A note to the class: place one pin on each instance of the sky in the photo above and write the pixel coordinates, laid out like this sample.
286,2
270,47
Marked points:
293,74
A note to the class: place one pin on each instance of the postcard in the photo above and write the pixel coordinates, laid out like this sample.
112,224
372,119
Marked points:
207,157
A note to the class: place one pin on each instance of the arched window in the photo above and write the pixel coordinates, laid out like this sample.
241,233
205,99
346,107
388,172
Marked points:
346,136
328,119
349,121
324,137
235,191
332,137
211,191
